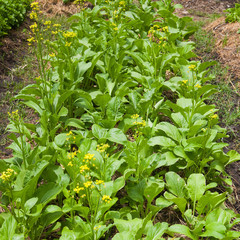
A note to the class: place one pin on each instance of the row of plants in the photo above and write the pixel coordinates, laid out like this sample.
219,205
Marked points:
124,134
12,13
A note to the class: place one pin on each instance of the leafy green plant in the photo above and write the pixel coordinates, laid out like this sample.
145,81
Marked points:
233,14
109,143
12,13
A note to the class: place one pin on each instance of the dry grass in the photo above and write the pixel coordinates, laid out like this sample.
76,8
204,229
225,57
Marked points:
227,43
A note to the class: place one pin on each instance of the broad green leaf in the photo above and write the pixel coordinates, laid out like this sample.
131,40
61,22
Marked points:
60,139
8,228
214,229
99,132
155,232
170,130
30,203
161,141
116,135
182,229
175,184
196,185
124,235
128,225
153,188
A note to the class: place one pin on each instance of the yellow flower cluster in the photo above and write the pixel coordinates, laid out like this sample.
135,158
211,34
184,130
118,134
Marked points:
198,86
72,155
35,6
102,147
98,182
14,115
70,136
52,54
6,175
96,228
33,15
135,116
192,67
34,27
165,29
115,28
115,14
84,168
142,123
80,2
69,34
35,10
47,23
31,40
77,189
88,184
68,44
106,198
88,157
214,116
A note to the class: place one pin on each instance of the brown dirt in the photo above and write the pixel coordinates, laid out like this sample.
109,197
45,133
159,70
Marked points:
201,8
227,45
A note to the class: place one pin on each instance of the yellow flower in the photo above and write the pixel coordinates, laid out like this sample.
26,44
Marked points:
192,67
70,133
52,54
35,5
87,184
70,164
88,156
214,116
69,34
98,182
33,15
57,25
135,116
96,228
198,86
102,147
115,29
6,175
106,198
185,81
141,123
14,115
165,29
84,168
77,189
68,44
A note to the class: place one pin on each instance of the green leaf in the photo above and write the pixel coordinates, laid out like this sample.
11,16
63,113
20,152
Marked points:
30,203
214,229
170,130
60,139
153,188
116,135
128,225
234,156
124,235
99,132
161,141
8,228
175,184
182,229
156,231
196,185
